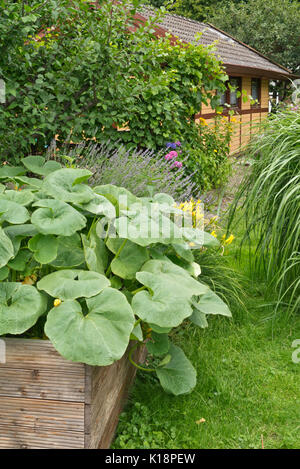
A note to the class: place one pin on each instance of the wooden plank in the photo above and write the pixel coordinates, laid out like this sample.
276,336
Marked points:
264,93
37,354
113,382
23,437
42,384
42,414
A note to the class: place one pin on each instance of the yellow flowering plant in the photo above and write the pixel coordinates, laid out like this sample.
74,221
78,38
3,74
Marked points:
209,224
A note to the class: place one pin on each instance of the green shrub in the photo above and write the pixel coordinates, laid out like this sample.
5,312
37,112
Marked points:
208,153
99,267
269,200
73,69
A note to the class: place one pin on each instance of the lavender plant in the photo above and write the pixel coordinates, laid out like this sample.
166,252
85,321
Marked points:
140,171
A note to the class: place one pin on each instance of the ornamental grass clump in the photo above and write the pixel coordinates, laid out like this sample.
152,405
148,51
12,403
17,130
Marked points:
94,268
269,200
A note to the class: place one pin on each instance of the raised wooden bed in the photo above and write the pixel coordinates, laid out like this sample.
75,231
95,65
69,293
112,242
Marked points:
49,402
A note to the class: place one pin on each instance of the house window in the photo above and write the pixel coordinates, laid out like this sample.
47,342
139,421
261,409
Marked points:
255,90
230,98
233,93
223,98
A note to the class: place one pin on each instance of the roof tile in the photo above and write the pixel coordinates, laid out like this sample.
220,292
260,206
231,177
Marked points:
229,50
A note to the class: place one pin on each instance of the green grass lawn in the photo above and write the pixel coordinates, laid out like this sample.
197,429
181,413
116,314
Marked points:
248,388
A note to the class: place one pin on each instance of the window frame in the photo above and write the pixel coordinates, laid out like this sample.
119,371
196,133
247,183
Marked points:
227,105
257,105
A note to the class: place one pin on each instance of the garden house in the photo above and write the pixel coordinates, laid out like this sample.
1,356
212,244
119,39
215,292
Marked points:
248,70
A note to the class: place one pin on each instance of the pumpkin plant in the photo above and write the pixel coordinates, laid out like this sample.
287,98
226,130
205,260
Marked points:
99,267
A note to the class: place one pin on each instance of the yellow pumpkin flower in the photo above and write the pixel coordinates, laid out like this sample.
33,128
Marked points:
57,302
229,240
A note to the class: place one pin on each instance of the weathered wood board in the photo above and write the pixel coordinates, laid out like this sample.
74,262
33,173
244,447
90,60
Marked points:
49,402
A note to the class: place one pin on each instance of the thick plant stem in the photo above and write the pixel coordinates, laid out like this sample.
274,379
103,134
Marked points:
150,370
116,256
138,289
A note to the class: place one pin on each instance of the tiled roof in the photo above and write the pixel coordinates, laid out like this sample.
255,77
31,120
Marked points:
231,51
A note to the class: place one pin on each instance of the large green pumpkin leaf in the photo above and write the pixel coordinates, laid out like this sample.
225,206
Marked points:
137,333
211,303
38,165
4,273
172,289
69,252
20,261
158,344
9,172
57,217
118,196
199,319
145,224
165,199
21,230
178,376
184,251
6,248
193,268
65,184
44,248
20,307
99,338
199,238
100,205
130,260
95,252
13,212
160,330
32,183
71,284
24,197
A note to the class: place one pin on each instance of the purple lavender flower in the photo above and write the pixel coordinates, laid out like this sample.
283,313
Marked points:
178,143
171,145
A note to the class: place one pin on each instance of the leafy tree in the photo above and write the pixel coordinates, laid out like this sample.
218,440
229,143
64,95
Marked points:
72,68
199,10
271,27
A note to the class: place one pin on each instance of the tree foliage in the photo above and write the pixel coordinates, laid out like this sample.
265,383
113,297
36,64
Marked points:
199,10
73,68
271,27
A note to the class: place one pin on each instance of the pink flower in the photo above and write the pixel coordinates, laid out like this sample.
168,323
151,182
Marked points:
171,155
177,164
178,144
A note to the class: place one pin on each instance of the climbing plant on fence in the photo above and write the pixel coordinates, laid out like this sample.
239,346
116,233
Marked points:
72,67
